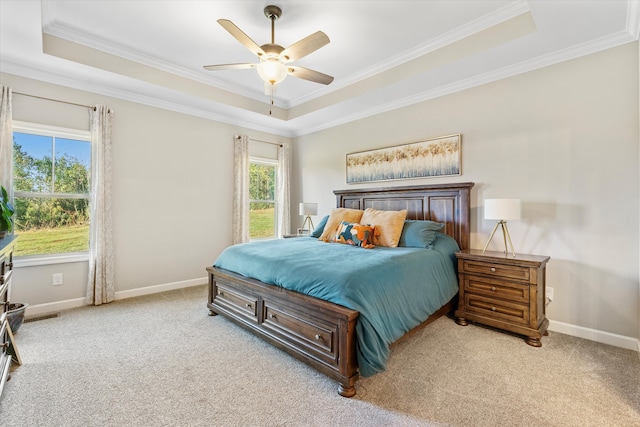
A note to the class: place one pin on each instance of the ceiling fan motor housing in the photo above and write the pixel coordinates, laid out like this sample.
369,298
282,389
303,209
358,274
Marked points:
272,12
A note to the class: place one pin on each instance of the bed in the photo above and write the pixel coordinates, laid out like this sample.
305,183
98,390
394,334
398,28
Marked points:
328,331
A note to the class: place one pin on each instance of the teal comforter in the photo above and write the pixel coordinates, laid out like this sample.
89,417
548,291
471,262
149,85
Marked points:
393,289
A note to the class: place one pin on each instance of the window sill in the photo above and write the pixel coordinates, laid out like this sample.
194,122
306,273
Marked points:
37,260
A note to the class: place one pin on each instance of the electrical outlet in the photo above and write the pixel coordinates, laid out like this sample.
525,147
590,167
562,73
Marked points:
57,279
549,294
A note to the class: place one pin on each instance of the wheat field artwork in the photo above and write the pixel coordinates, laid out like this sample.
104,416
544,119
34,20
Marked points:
424,159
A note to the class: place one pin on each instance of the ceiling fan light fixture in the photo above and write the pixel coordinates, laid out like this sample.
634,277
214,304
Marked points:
272,70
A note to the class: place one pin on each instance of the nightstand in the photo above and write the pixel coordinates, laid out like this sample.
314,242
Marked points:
504,292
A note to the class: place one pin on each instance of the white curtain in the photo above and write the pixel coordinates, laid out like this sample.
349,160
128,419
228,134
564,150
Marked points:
282,196
6,142
241,190
101,285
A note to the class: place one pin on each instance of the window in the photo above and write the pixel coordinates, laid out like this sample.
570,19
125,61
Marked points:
262,198
51,183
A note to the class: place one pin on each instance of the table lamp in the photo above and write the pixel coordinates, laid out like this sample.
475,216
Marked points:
502,210
308,209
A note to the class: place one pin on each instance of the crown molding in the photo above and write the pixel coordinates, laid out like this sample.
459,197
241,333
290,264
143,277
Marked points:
633,18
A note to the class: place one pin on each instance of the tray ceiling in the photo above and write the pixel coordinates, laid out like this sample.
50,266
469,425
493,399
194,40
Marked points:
383,54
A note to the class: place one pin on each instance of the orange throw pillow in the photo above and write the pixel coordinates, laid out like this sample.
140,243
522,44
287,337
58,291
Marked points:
388,225
337,216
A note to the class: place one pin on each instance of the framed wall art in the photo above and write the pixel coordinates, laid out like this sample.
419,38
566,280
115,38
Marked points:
424,159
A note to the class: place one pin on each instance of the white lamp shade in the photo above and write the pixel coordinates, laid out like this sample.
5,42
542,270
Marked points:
272,71
308,209
502,209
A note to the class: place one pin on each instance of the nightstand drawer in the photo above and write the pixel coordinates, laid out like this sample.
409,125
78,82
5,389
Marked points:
493,269
494,288
497,309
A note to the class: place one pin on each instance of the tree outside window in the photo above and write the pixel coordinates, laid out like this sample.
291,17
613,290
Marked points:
51,183
262,198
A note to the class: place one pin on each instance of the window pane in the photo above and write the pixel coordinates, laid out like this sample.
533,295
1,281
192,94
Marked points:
73,160
262,181
32,162
51,225
262,220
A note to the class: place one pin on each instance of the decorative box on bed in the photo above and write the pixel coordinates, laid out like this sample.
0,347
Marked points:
319,332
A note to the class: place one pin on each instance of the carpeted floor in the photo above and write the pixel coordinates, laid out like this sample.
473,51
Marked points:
160,360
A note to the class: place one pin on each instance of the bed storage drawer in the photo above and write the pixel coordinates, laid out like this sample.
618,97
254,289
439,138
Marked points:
316,336
241,303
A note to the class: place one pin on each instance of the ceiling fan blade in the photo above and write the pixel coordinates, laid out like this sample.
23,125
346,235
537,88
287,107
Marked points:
241,36
304,47
311,75
230,67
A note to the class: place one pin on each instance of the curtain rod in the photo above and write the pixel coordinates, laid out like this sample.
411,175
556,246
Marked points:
58,100
259,140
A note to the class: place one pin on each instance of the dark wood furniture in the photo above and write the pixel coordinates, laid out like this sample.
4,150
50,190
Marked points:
318,332
503,291
7,244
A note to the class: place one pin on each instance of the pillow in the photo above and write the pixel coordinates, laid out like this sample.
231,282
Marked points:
419,234
337,216
317,232
355,234
388,225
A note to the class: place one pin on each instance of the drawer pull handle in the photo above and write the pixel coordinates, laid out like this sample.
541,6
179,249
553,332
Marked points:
272,316
220,293
318,336
493,309
493,269
249,305
493,288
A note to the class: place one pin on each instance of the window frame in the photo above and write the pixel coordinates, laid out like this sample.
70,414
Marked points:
274,163
56,132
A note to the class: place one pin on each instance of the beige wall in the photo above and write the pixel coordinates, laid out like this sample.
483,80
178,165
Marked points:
563,139
171,192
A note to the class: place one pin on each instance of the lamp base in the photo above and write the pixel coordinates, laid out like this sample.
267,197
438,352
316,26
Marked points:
307,219
505,236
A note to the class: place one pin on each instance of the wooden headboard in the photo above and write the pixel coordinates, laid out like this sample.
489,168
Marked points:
446,203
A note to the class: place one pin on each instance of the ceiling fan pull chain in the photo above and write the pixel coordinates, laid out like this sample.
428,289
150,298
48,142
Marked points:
271,98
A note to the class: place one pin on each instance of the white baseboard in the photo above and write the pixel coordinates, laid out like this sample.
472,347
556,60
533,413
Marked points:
595,335
40,309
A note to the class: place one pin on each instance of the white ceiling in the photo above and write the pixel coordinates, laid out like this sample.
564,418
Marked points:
383,54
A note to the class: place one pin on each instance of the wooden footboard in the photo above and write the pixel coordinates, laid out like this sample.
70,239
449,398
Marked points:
319,333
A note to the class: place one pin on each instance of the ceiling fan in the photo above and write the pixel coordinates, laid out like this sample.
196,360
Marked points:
274,59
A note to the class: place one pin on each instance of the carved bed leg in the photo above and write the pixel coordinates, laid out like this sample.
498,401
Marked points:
212,313
346,390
